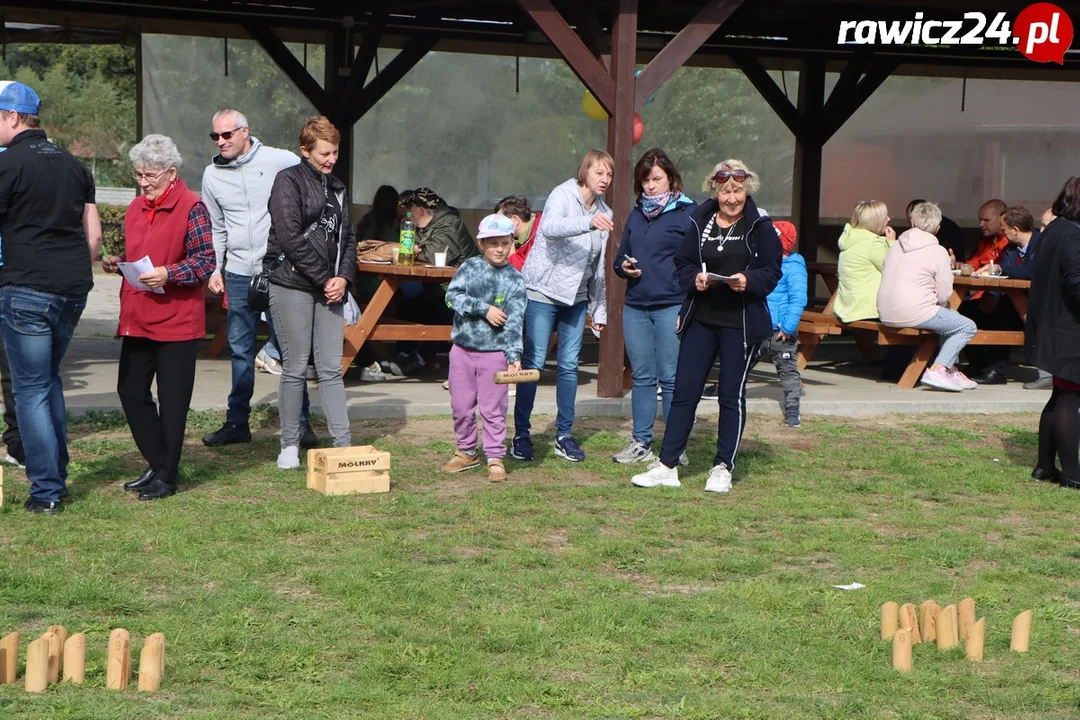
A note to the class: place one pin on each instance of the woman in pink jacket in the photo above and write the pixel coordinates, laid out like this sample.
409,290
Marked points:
916,284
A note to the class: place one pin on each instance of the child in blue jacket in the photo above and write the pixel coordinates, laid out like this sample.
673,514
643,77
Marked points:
786,305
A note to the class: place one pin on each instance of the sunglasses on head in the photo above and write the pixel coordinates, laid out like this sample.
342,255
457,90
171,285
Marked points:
724,175
226,135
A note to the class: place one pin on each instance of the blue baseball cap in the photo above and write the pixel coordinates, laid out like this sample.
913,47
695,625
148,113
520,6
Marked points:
16,97
495,226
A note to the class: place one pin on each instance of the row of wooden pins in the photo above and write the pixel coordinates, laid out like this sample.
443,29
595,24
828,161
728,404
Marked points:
946,626
55,652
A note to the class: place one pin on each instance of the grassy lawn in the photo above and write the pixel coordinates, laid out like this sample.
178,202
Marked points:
565,592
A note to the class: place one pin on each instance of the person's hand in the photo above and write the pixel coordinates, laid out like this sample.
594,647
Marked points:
334,289
890,234
737,282
701,282
514,367
602,222
598,328
781,336
216,284
108,263
630,269
155,278
495,316
952,255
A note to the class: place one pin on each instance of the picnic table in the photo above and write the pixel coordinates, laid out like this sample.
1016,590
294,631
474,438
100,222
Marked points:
819,324
372,325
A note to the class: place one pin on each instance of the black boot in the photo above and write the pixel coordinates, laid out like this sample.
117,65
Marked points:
1045,475
228,434
158,489
140,482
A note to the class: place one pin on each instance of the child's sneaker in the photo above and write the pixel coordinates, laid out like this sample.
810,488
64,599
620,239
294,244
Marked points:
461,461
496,470
289,458
791,418
963,380
372,373
521,448
632,453
658,474
719,479
567,447
941,380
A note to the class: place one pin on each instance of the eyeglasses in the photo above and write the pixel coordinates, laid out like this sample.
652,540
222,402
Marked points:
146,177
724,175
227,135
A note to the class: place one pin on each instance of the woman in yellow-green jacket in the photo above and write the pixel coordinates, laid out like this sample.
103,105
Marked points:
863,245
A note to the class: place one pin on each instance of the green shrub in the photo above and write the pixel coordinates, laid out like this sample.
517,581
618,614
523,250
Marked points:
112,228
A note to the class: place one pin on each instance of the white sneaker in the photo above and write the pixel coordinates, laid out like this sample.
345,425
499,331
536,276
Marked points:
266,363
963,380
632,453
289,458
372,373
684,460
657,474
719,479
10,460
941,379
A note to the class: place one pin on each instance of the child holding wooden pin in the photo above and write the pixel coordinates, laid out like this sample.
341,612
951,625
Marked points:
487,296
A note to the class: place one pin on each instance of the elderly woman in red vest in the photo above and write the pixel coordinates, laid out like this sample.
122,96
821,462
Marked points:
162,315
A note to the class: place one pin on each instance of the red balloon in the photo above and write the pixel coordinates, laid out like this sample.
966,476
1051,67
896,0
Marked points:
639,128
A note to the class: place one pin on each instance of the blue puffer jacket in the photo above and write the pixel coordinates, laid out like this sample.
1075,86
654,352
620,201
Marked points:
788,300
653,243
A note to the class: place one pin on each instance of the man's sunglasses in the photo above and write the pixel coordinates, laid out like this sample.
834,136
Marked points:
227,134
724,175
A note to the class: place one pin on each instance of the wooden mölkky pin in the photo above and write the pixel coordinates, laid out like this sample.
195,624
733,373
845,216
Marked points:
37,665
118,668
506,377
910,621
1,487
890,620
55,651
75,659
965,616
973,644
901,650
928,612
1021,632
9,658
945,625
152,663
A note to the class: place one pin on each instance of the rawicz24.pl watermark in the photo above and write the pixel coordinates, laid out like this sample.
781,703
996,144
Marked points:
1042,32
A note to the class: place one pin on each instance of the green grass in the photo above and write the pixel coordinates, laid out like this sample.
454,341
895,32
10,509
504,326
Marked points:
565,592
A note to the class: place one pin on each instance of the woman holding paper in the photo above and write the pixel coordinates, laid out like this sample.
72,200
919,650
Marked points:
729,262
162,314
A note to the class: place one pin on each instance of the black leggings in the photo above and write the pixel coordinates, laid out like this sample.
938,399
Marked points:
1059,433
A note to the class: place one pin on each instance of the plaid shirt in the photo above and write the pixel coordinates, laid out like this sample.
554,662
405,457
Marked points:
199,245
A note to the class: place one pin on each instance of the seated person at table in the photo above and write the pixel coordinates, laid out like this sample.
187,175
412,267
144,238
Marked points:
439,229
949,236
381,222
863,245
993,242
916,284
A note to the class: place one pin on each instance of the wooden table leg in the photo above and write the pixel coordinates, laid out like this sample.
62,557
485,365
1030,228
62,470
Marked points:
808,343
356,335
918,363
1020,302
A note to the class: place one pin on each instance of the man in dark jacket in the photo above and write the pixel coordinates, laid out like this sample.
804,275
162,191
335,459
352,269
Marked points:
439,228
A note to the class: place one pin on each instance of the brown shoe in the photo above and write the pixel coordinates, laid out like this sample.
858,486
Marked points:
496,470
461,461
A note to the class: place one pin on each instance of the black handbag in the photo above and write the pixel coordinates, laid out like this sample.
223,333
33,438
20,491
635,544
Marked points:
258,296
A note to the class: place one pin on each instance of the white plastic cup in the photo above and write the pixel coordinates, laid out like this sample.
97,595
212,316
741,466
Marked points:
440,259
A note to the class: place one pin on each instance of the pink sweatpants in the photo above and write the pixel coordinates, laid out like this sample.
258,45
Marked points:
472,383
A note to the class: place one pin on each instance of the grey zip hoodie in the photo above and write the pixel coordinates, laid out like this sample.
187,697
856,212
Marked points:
236,193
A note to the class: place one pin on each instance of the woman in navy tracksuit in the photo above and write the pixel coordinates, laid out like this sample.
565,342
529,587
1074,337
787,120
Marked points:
654,231
727,237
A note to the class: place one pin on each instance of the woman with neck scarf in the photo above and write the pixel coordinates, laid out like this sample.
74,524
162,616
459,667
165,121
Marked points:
653,233
163,317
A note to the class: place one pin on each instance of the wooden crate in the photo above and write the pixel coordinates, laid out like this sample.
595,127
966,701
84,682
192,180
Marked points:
348,471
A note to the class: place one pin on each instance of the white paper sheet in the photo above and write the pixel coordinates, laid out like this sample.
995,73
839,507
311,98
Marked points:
133,270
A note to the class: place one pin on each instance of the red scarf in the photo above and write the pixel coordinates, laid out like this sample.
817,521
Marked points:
153,205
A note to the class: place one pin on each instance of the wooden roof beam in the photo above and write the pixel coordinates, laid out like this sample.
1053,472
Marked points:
414,51
759,77
293,68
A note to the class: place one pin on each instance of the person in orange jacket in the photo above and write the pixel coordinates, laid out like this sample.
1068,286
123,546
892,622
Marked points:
993,243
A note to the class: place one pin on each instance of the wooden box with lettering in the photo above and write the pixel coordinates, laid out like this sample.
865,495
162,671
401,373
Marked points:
348,471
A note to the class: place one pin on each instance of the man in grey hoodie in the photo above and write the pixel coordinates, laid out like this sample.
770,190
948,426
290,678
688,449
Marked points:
236,189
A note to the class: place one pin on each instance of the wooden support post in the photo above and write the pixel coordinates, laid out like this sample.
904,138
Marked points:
56,649
152,663
365,56
901,651
836,114
75,659
1021,632
890,620
9,658
910,621
973,646
759,77
806,208
928,613
37,665
61,632
294,70
946,628
965,617
414,51
118,667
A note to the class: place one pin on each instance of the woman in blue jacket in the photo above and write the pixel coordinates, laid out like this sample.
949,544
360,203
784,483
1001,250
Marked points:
654,231
728,264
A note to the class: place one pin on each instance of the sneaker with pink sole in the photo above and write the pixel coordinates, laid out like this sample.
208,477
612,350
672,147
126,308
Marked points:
940,379
963,380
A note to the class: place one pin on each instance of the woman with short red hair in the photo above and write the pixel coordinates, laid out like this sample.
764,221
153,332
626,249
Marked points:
311,258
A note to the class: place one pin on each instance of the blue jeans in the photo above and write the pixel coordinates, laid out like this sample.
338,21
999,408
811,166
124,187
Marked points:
243,324
653,349
37,328
541,319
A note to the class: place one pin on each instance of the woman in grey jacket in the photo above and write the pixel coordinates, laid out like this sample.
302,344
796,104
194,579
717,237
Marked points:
564,279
